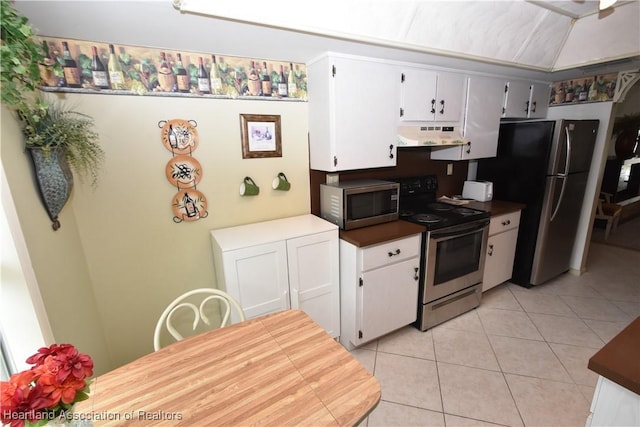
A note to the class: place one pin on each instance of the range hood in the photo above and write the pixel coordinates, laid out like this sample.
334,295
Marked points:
429,136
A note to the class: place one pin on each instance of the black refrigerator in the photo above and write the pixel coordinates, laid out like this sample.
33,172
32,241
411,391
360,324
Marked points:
544,165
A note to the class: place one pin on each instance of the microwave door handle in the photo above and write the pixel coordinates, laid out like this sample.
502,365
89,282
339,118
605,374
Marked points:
459,231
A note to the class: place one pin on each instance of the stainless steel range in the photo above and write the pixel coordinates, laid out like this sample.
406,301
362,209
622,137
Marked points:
453,251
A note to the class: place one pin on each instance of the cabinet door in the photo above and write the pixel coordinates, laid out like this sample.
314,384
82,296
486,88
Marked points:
365,112
482,117
450,97
431,96
516,102
501,250
418,95
539,101
257,277
387,299
314,278
481,121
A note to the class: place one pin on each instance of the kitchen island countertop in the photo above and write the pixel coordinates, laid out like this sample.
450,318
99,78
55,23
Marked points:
618,360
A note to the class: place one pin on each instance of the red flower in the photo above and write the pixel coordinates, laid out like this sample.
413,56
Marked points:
60,391
57,376
78,365
43,352
21,396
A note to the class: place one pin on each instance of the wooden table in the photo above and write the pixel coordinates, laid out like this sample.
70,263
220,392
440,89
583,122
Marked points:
280,369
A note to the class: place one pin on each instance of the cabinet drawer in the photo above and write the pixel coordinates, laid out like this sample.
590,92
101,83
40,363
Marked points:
390,252
504,222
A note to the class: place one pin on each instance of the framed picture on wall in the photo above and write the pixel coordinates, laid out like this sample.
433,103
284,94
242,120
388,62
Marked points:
261,136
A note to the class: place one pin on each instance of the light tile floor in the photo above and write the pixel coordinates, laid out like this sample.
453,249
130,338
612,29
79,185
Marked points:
520,359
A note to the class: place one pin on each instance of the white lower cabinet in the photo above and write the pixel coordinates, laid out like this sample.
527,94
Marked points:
379,288
281,264
613,405
501,249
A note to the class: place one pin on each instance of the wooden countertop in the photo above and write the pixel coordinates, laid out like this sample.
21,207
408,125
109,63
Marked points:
619,359
380,233
497,207
279,369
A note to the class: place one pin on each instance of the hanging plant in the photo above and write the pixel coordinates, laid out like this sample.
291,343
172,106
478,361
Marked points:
49,126
58,139
20,54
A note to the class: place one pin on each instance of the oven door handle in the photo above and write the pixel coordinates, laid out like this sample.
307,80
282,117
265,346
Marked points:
459,230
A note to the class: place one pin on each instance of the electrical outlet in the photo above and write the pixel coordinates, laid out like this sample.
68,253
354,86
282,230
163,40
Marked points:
450,169
332,178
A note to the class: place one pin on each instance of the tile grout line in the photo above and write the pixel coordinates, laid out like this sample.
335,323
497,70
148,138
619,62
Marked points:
486,334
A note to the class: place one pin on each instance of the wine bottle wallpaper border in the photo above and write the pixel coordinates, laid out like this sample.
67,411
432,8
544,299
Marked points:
597,88
96,67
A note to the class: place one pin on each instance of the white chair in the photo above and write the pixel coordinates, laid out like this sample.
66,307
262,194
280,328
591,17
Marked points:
609,212
227,304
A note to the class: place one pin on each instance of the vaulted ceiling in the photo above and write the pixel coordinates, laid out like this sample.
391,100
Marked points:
532,38
540,35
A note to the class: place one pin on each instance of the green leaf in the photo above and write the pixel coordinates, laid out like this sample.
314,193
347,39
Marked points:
26,30
80,396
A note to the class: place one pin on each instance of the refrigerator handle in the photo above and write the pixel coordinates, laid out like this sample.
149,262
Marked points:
563,176
567,161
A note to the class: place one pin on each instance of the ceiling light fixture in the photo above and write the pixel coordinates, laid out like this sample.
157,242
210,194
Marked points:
606,4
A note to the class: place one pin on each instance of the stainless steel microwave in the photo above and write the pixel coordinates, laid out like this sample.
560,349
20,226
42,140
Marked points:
354,204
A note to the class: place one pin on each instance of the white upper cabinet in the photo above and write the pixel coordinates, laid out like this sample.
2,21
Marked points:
481,121
429,96
539,100
353,110
523,99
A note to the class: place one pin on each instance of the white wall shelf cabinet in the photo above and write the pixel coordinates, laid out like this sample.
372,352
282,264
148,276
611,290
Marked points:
353,107
501,249
429,96
481,121
379,288
527,100
285,263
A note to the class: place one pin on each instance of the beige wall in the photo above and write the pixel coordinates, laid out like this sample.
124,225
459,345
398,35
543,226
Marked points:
59,263
136,257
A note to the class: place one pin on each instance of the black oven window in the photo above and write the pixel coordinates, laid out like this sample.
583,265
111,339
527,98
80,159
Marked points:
457,257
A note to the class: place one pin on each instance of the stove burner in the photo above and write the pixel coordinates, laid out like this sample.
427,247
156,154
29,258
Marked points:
465,211
439,207
418,204
426,218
